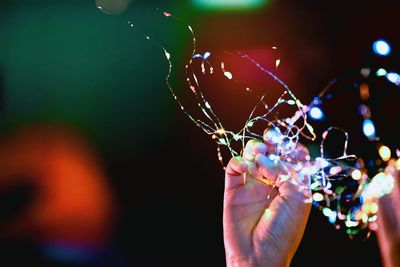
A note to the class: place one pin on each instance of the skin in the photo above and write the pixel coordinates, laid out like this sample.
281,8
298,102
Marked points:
262,231
389,222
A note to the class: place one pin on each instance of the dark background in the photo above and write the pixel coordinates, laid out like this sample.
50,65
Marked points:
68,63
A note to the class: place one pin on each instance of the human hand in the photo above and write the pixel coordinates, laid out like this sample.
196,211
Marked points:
263,224
389,220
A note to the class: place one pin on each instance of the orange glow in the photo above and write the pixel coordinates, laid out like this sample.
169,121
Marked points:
73,203
364,91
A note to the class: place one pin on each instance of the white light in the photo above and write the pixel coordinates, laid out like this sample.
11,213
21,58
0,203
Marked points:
382,184
351,223
228,75
385,153
381,47
316,113
369,129
317,197
356,174
327,212
365,72
393,77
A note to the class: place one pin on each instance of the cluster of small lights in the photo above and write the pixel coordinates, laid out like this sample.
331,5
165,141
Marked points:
341,187
363,198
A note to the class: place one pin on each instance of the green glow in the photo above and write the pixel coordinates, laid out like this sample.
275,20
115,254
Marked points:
230,4
381,72
267,214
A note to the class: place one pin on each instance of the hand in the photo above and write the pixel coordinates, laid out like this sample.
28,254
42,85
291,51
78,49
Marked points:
389,221
263,225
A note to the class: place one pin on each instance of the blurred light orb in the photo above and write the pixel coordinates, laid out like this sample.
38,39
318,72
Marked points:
385,153
381,47
381,72
316,113
356,174
113,7
369,129
317,197
393,77
230,4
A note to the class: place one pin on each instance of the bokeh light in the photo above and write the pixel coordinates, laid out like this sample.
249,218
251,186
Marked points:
356,174
385,153
393,78
113,7
369,129
381,72
316,113
381,47
230,4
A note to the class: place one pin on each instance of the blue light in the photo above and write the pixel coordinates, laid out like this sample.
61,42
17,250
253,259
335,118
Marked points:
369,129
332,217
316,113
381,47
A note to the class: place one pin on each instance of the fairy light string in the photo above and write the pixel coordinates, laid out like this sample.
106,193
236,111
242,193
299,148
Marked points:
341,188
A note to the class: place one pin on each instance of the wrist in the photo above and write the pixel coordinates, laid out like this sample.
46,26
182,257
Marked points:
242,262
253,262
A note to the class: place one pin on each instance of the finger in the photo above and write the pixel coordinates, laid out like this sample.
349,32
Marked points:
389,220
294,193
270,169
254,147
300,154
389,205
235,173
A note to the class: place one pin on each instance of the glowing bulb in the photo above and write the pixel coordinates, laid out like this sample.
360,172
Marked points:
228,75
327,212
332,217
220,131
317,197
364,218
381,47
350,224
356,175
369,129
316,113
393,78
381,72
373,208
385,153
382,184
335,170
365,72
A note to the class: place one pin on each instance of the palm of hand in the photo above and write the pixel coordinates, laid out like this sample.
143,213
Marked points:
263,225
